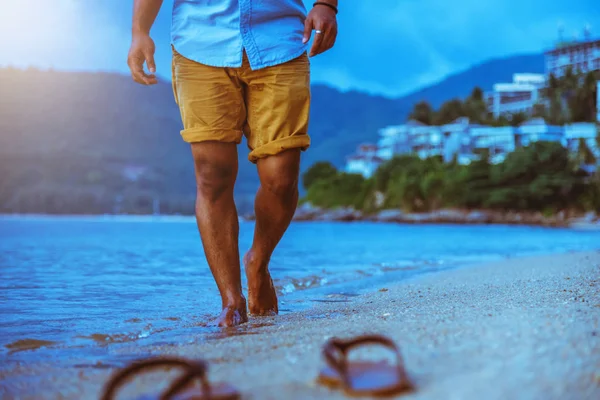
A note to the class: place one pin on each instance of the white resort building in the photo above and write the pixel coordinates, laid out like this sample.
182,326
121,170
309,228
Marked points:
499,141
598,101
575,133
457,141
465,142
365,162
524,92
502,140
394,140
582,56
521,95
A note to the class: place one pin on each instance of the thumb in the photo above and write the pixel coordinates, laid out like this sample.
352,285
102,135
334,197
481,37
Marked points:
149,55
308,25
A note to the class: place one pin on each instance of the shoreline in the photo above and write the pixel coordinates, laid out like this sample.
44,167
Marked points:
518,328
307,212
304,213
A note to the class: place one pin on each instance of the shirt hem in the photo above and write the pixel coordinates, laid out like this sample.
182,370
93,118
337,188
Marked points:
238,64
280,60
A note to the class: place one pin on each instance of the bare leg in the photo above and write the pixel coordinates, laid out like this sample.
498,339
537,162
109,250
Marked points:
216,170
275,205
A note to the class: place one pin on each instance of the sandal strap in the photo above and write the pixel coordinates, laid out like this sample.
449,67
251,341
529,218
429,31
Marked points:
336,352
193,370
198,371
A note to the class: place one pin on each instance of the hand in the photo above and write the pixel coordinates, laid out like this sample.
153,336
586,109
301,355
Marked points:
142,49
320,18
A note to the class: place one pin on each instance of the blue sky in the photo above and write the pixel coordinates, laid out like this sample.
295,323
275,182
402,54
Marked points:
386,46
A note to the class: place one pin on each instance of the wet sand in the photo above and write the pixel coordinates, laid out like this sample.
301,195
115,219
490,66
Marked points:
521,329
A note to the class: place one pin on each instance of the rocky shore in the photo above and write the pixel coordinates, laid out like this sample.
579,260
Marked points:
307,212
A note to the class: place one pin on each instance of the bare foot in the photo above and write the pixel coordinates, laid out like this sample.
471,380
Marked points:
232,316
262,297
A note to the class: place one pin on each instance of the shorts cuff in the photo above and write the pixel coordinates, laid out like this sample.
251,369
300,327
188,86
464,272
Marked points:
195,135
275,147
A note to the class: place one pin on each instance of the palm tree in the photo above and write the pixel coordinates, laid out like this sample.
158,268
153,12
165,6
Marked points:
569,82
475,107
571,97
423,112
583,103
585,156
598,136
590,87
554,93
568,88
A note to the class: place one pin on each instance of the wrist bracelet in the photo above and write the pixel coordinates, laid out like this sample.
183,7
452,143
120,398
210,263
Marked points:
322,3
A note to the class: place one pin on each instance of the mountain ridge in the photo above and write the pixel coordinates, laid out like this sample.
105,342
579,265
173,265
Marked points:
68,139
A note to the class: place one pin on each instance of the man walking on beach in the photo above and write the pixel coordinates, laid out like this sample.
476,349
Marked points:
240,68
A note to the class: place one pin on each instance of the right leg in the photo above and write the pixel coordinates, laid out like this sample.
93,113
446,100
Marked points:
216,167
213,113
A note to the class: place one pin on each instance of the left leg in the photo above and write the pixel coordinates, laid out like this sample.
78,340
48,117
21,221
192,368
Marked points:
278,103
274,207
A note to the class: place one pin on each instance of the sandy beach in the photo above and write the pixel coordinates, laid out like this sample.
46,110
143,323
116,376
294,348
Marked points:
526,328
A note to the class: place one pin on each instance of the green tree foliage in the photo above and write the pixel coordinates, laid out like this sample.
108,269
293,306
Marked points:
536,177
570,98
540,111
340,190
423,112
517,119
542,176
475,107
539,177
383,175
584,156
502,120
590,197
405,189
319,171
450,111
555,114
583,101
477,180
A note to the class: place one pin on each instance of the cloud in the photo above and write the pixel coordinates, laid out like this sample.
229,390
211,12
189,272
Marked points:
388,46
61,34
399,45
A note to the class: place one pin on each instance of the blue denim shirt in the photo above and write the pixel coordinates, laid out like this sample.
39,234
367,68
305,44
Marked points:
216,32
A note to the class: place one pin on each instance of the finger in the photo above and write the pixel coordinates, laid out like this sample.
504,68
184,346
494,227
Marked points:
308,25
327,40
138,76
149,55
137,71
132,70
317,43
331,37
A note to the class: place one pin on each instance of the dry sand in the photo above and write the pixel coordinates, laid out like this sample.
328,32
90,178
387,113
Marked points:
518,329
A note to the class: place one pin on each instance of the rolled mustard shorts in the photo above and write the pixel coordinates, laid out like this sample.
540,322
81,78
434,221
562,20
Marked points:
270,106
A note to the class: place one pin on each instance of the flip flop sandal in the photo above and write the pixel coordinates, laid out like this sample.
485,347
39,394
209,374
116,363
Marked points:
181,388
363,378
